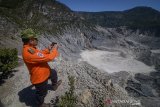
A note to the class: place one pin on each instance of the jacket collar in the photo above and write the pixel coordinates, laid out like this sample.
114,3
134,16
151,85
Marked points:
26,45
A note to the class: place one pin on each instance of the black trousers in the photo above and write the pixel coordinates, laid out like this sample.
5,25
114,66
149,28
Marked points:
41,88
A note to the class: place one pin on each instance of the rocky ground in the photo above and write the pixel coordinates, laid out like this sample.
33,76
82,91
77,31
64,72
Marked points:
117,67
110,69
93,85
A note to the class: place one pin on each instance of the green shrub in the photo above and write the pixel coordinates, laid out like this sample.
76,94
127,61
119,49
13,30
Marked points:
69,99
8,60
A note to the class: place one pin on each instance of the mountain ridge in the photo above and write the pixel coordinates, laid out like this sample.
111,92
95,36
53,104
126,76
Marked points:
143,18
28,13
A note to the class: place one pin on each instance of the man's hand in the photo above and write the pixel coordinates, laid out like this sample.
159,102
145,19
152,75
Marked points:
56,46
52,46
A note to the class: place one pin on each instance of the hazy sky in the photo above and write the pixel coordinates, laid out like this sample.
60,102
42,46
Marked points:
109,5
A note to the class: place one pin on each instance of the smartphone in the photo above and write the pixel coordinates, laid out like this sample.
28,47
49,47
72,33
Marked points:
53,43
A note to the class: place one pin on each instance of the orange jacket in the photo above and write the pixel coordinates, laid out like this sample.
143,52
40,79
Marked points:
36,62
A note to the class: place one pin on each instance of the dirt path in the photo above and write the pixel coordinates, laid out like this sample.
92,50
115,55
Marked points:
10,90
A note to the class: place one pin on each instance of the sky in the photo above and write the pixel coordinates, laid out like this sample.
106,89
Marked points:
108,5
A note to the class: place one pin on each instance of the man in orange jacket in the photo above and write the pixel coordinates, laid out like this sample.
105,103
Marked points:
36,62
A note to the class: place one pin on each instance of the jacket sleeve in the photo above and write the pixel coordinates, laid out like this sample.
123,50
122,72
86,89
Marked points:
40,57
45,51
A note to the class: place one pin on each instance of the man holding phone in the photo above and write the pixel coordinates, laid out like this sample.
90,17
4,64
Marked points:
36,62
